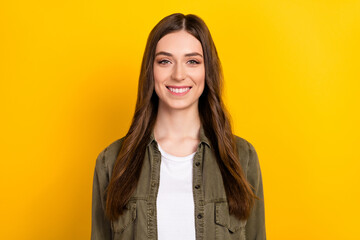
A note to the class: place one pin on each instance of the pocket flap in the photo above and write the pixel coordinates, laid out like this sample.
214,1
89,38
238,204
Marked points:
124,220
223,218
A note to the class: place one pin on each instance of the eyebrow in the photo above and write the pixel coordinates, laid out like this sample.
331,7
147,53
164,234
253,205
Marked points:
186,55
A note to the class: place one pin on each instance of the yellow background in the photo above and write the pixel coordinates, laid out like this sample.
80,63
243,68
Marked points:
69,72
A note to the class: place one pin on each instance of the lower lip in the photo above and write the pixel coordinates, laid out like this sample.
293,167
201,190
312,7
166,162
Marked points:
179,94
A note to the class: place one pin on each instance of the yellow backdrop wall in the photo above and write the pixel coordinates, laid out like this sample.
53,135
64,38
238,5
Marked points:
292,83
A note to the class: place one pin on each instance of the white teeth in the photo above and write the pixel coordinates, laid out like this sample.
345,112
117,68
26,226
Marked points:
179,90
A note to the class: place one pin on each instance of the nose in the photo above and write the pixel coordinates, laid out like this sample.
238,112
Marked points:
179,72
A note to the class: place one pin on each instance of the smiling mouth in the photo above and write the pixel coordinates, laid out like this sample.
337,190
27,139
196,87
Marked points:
179,90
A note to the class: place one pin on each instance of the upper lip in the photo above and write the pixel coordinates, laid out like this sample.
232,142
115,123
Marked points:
178,86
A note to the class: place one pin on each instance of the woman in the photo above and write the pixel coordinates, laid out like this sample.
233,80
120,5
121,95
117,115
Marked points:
179,173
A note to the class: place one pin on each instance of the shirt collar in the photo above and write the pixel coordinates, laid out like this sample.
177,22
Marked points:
203,138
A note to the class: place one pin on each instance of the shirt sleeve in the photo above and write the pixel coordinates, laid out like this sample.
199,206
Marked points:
100,225
255,226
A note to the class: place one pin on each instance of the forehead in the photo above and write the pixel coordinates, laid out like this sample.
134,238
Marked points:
179,42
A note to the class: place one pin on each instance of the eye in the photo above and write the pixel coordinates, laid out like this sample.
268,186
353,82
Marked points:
163,62
194,62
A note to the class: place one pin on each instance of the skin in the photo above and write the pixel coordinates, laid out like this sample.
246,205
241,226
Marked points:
177,124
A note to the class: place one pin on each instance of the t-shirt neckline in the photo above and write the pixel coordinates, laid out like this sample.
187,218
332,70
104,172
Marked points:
175,158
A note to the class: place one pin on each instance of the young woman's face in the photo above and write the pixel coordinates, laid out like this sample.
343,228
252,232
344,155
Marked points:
179,70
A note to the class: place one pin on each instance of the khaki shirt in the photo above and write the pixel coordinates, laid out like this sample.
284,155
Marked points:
212,218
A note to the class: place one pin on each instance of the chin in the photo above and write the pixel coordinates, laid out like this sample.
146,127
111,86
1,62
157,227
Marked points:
180,106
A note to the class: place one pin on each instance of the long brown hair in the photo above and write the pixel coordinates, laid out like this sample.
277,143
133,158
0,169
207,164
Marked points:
213,115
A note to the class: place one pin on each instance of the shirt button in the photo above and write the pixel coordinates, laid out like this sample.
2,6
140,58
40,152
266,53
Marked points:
197,164
199,216
197,186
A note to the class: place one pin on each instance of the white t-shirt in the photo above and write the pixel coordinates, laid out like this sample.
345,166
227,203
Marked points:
175,200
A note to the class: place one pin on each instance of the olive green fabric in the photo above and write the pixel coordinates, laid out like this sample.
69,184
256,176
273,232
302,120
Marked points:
212,218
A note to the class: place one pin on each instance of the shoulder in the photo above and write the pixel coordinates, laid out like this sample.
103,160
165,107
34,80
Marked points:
246,151
107,157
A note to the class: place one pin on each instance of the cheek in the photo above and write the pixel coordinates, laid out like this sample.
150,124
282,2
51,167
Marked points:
159,75
199,77
158,80
156,75
157,87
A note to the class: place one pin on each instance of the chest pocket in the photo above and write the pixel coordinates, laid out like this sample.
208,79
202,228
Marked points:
124,224
228,227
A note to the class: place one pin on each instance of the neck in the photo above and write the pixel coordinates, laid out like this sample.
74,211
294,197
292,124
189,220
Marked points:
177,123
